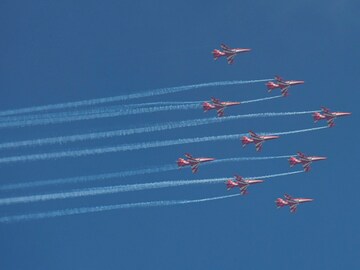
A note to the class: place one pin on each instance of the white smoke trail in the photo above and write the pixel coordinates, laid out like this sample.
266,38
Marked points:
136,146
260,99
244,159
140,130
90,178
95,209
124,109
155,92
298,131
113,149
106,113
122,188
161,103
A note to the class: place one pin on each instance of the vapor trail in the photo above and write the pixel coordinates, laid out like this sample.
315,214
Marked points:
94,209
98,177
89,178
127,109
155,92
140,130
243,159
57,118
135,146
260,99
122,188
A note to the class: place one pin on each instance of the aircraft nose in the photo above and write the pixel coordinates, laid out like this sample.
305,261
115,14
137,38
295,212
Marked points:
319,158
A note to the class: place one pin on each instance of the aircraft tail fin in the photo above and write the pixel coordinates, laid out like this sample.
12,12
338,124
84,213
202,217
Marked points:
207,106
230,184
271,86
317,116
216,53
280,202
181,162
293,161
245,140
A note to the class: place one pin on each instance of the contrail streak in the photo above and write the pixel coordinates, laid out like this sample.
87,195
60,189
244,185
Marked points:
122,188
260,99
140,130
135,146
98,177
89,178
243,159
121,109
106,113
95,209
155,92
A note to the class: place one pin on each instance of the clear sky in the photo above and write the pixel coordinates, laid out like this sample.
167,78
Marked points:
61,51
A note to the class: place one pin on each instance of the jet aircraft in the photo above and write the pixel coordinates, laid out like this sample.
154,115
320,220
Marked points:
218,105
258,140
329,116
228,52
304,160
291,202
282,84
192,162
241,183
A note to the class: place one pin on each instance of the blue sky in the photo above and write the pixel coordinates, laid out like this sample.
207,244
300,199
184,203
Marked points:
55,52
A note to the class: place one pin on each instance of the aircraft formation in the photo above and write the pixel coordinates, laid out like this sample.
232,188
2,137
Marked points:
25,117
258,140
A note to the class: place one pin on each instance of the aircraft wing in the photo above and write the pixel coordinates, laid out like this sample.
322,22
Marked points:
288,197
293,208
243,190
279,79
220,112
325,110
258,146
215,100
302,155
307,167
284,91
230,59
253,134
189,156
331,122
195,168
225,47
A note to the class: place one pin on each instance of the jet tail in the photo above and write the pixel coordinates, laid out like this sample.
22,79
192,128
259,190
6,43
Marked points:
280,203
217,54
317,117
245,140
181,162
293,161
207,106
271,85
230,184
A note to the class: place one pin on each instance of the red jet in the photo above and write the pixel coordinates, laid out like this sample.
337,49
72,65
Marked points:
292,202
257,140
193,162
228,52
328,116
242,184
218,105
283,85
304,160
